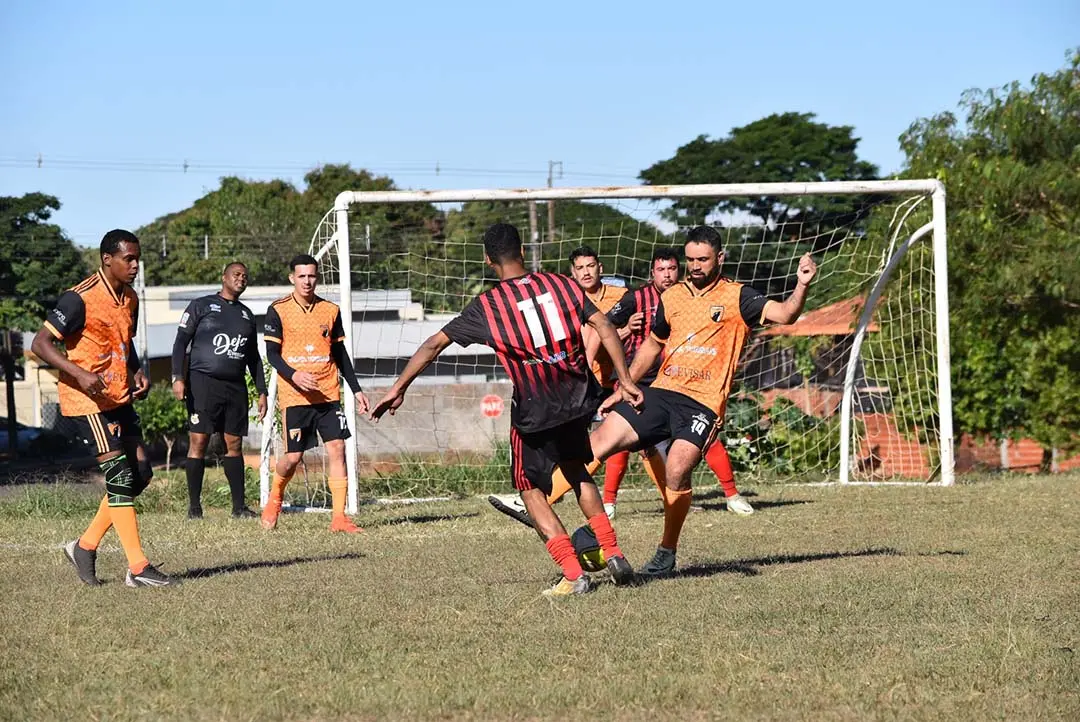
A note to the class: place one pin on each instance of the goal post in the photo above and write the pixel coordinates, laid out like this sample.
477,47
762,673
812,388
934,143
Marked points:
879,324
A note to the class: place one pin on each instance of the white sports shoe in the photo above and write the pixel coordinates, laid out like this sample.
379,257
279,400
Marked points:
609,509
512,506
739,505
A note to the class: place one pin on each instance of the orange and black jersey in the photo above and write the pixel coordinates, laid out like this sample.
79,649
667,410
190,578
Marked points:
703,331
307,338
97,326
645,300
533,323
605,300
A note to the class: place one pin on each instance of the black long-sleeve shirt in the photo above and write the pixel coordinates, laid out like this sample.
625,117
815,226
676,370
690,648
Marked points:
222,337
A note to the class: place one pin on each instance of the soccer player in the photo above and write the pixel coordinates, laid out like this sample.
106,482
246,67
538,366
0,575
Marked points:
534,322
636,312
587,270
99,378
221,333
304,337
701,325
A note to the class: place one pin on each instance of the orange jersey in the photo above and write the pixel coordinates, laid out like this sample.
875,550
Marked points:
703,331
97,326
605,300
306,334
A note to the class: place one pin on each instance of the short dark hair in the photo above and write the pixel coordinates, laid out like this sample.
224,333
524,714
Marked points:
705,234
502,243
302,259
231,264
664,254
110,242
583,252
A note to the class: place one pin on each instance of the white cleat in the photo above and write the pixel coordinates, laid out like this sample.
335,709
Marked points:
739,505
609,509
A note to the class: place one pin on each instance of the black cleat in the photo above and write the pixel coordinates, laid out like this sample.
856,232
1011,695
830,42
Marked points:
150,577
194,512
513,507
244,513
85,563
661,565
621,571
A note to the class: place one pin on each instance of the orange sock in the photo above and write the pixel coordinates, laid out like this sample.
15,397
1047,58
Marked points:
717,459
614,471
656,469
277,489
559,484
339,492
127,528
676,507
101,524
562,551
605,534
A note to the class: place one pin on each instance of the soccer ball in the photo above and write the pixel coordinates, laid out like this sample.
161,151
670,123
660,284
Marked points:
589,553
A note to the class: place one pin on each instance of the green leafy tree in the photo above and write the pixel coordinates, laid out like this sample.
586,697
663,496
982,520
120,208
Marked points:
1011,171
163,417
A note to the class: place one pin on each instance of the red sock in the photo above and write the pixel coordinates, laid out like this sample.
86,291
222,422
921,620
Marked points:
562,551
717,459
601,525
614,471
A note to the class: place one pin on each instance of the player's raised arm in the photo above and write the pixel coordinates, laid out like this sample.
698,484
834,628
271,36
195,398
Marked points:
428,352
788,311
629,391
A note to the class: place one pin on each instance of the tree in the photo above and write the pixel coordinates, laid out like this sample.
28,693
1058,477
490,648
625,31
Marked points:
163,417
789,147
1011,172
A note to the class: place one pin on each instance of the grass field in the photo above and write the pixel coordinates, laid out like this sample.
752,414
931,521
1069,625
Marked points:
862,603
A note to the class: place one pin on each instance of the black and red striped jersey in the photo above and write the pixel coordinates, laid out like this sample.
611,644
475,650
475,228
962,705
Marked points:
644,299
533,323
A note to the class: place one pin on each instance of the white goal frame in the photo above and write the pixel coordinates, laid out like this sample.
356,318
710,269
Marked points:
936,227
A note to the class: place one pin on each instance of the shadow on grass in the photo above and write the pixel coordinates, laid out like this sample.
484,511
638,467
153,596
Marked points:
420,519
204,572
751,567
658,510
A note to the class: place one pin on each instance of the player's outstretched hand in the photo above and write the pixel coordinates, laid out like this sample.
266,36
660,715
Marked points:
305,381
362,405
142,384
807,269
608,404
391,402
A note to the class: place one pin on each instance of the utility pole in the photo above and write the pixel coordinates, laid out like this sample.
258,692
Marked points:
534,239
551,204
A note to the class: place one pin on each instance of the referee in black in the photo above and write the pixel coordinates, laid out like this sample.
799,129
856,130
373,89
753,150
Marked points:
221,333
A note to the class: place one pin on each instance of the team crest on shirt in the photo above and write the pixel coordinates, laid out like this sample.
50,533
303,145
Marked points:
325,330
245,315
194,418
216,308
716,313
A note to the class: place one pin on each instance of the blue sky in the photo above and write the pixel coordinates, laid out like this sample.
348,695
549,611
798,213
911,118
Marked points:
115,96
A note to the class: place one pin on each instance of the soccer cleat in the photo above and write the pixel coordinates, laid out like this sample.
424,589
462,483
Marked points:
345,525
270,514
512,506
661,565
150,577
243,513
195,512
621,571
609,509
739,505
85,563
565,587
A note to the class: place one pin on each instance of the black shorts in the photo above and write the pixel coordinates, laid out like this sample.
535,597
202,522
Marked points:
216,405
533,456
670,415
102,432
301,423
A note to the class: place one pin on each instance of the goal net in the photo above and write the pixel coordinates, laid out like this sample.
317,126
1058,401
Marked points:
856,390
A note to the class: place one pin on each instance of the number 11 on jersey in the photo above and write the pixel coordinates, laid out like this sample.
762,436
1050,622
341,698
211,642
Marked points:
551,315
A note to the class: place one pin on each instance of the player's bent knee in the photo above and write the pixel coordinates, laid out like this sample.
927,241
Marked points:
143,474
119,481
614,434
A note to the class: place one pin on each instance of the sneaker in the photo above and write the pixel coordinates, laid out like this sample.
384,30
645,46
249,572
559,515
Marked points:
194,512
344,524
621,571
661,565
85,562
243,513
739,505
150,577
270,515
512,506
609,509
565,587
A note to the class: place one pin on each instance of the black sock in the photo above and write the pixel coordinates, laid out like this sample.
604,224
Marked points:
234,472
194,469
